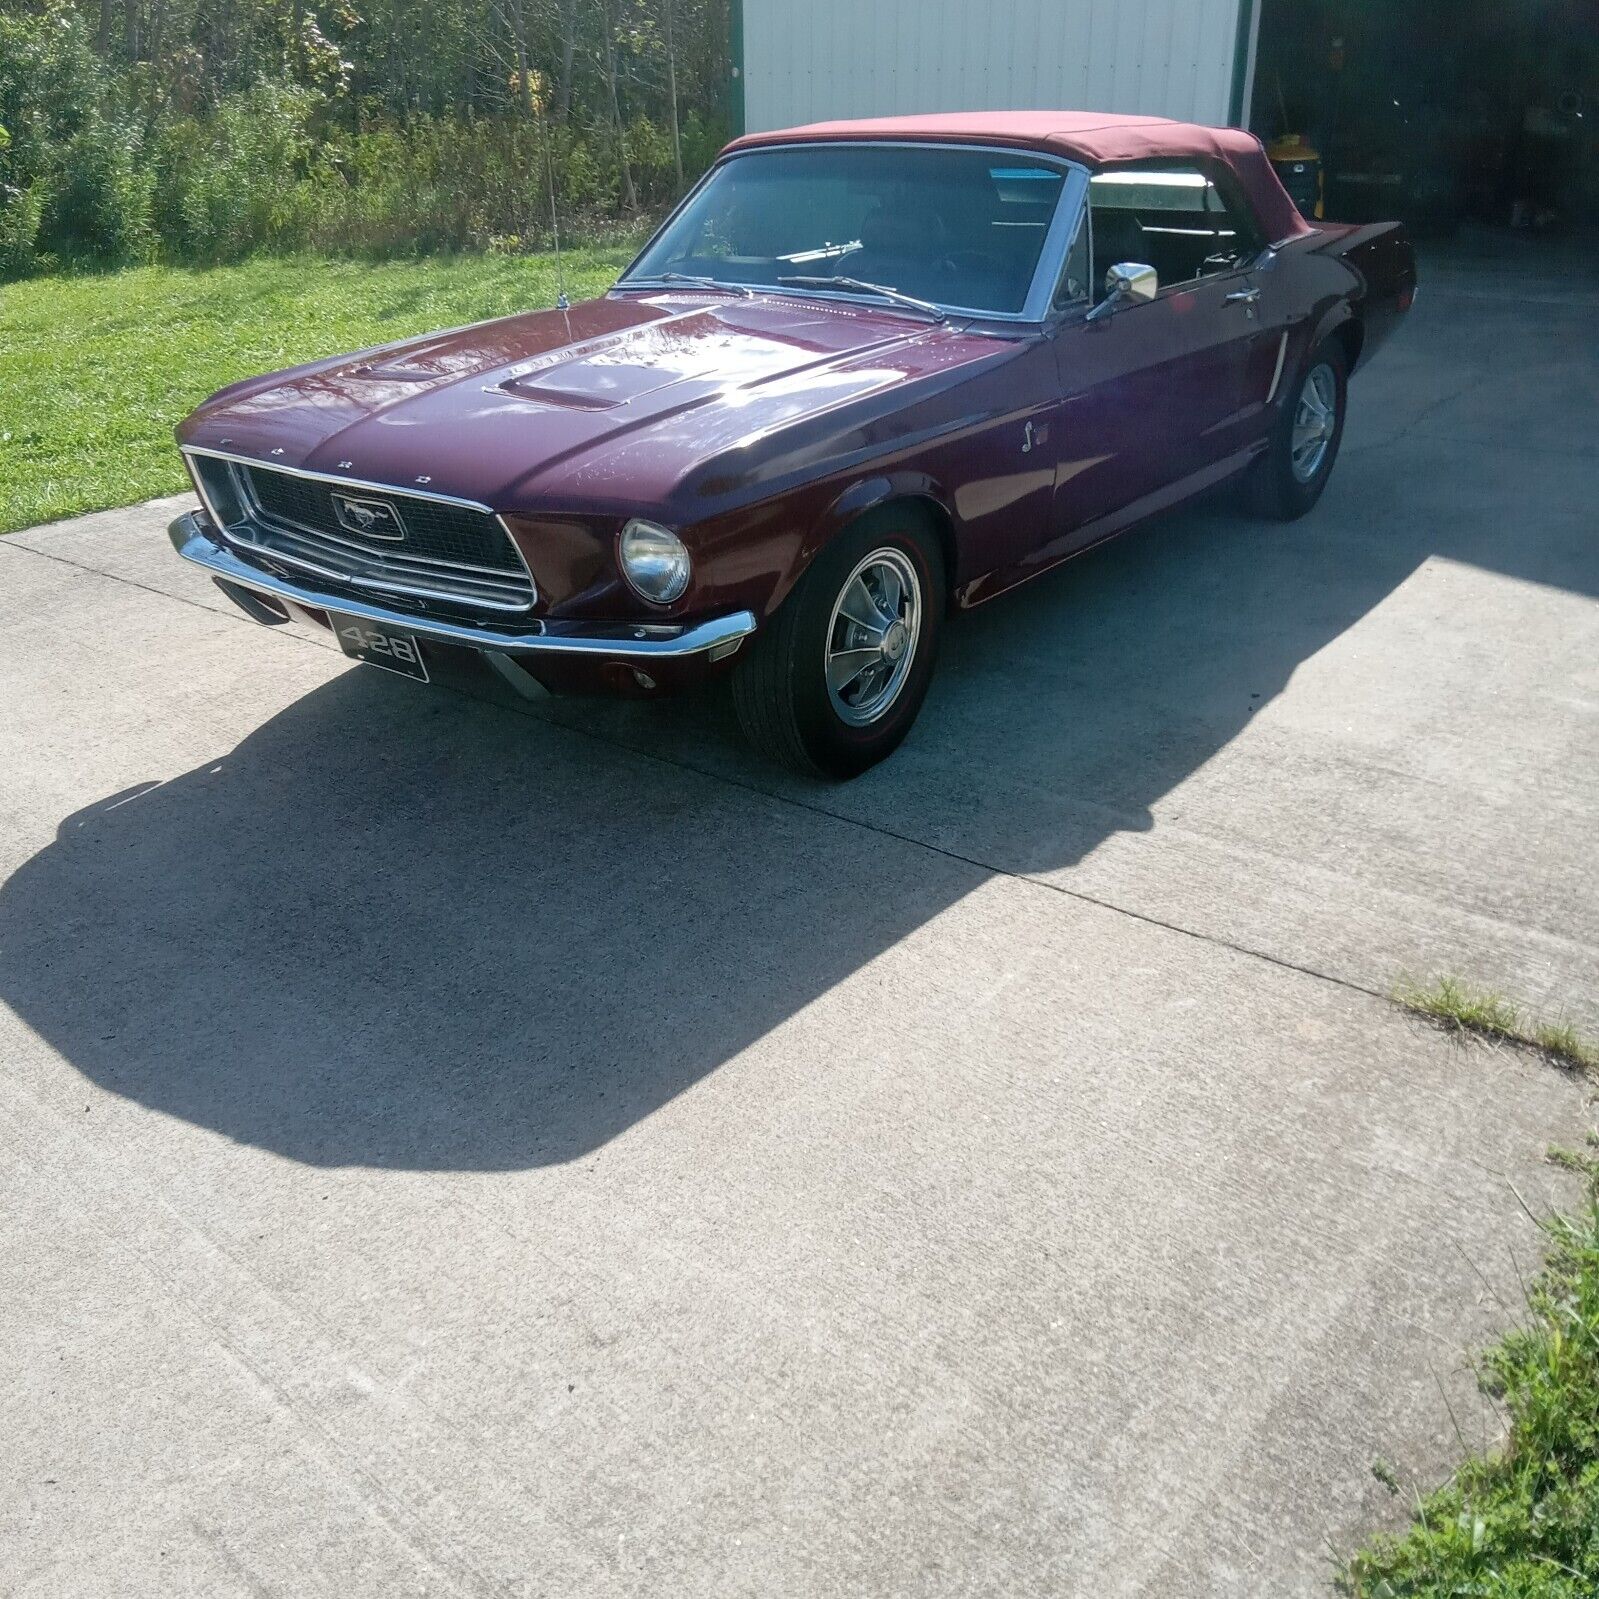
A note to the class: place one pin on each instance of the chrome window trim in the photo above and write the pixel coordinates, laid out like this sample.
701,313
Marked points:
1085,301
1051,256
234,461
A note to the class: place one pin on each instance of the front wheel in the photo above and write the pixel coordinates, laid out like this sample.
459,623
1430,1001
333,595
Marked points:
834,681
1289,478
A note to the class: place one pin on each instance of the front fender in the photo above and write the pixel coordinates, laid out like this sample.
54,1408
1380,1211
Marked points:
951,446
854,501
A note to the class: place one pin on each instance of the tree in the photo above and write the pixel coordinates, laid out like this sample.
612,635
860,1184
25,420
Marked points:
608,9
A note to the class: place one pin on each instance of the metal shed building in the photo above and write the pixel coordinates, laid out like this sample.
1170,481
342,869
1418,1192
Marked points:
808,62
1437,111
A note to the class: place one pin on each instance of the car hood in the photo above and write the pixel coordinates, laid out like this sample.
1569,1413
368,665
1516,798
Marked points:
613,404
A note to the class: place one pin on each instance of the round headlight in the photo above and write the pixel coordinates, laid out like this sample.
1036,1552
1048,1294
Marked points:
655,561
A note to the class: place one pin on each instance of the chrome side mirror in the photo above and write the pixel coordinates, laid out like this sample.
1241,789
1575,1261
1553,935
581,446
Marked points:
1133,281
1127,283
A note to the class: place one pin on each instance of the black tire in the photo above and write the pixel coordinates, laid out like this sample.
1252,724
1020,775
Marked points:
1276,488
781,687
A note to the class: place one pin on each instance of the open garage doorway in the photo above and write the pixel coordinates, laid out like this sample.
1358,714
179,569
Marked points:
1441,112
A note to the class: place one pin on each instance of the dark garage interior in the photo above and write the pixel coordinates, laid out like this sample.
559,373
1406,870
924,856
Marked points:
1443,112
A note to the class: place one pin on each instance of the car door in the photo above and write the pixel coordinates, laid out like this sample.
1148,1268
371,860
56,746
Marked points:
1156,397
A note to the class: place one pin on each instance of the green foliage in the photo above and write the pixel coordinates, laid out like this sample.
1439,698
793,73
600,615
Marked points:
50,89
95,370
172,130
233,182
98,209
21,211
69,178
1524,1523
703,136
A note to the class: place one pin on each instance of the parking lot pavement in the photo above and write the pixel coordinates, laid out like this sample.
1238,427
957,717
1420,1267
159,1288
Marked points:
447,1148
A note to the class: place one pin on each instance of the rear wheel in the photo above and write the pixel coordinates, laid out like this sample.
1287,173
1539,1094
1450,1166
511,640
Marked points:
834,681
1290,477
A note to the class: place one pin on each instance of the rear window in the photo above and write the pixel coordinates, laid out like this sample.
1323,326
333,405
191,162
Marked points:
1154,191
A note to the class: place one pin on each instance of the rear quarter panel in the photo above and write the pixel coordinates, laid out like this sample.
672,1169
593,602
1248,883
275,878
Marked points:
1363,278
1383,262
1339,280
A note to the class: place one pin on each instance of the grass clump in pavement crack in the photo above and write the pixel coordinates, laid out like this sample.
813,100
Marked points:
1522,1523
1458,1007
1583,1161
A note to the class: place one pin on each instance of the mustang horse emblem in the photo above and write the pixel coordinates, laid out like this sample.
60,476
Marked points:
374,519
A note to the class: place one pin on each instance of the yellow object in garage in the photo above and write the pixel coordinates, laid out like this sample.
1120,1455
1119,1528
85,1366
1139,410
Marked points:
1298,164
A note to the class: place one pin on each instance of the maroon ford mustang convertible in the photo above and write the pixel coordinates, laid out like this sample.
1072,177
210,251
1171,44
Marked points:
867,374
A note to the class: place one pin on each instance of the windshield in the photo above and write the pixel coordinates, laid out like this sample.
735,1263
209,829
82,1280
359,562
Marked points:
961,228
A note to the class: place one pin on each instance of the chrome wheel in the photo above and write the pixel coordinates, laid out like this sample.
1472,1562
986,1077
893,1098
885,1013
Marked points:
872,637
1315,422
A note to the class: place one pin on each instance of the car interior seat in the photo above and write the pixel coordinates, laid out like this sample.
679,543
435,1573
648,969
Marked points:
1117,238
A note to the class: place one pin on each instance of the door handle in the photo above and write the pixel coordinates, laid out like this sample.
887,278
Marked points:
1243,297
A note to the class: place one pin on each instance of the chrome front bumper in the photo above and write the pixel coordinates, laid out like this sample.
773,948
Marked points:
638,643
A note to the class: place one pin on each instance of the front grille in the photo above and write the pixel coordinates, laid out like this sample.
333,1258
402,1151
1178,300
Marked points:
434,531
449,552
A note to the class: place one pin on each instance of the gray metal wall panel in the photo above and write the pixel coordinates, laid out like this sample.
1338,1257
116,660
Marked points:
807,62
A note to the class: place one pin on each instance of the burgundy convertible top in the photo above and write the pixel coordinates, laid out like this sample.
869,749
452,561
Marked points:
1096,139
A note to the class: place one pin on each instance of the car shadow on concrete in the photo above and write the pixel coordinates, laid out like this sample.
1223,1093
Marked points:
399,928
402,928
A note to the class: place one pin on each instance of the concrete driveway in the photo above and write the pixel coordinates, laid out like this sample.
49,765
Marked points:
455,1148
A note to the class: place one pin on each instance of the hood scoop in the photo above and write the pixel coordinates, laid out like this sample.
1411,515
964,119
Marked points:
694,348
550,391
601,383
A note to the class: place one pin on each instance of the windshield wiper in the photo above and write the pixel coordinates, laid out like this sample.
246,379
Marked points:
685,277
861,286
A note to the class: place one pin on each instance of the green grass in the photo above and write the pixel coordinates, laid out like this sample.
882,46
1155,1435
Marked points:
96,370
1458,1007
1522,1523
1585,1161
